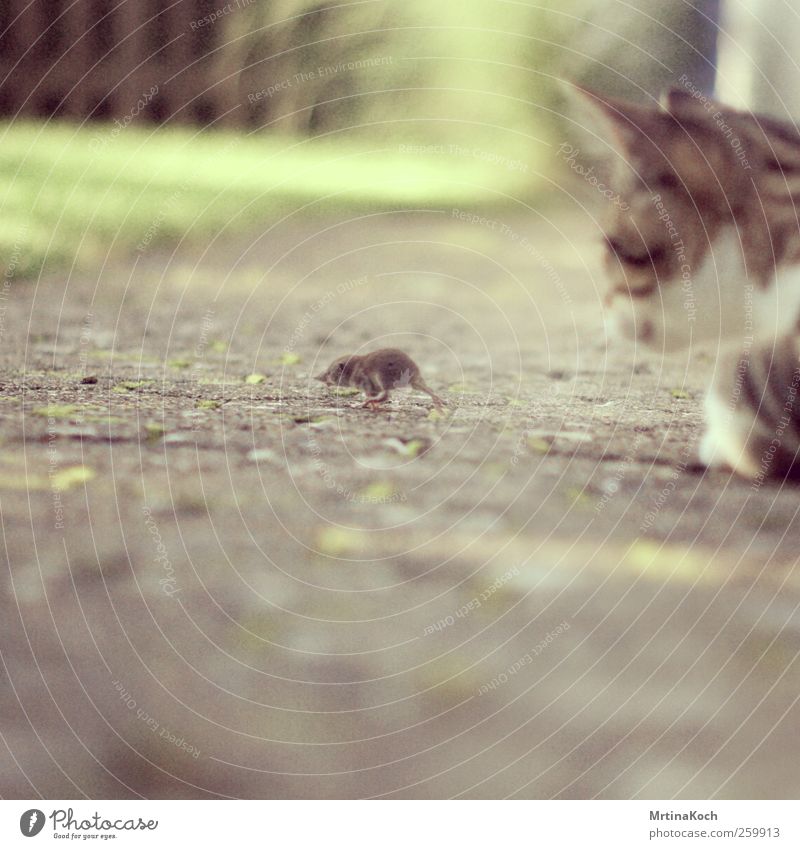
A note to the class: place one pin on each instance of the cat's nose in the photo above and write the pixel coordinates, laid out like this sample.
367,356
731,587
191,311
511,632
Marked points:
645,330
622,323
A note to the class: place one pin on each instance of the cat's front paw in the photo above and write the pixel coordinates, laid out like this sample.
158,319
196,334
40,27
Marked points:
752,422
709,451
724,443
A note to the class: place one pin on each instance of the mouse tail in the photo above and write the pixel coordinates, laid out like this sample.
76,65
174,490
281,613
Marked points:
419,384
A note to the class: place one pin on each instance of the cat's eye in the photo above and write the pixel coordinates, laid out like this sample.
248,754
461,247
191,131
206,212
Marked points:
643,259
667,180
776,167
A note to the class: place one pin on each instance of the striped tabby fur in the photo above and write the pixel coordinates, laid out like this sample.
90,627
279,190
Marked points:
705,250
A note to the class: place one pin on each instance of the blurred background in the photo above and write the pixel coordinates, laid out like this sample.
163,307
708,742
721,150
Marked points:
114,110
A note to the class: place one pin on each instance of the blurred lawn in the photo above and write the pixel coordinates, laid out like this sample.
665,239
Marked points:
72,195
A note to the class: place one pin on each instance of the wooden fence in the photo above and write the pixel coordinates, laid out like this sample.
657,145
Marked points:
151,59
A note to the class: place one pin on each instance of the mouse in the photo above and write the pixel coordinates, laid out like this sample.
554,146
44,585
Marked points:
376,374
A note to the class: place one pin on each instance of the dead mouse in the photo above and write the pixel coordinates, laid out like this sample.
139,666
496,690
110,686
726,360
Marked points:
377,373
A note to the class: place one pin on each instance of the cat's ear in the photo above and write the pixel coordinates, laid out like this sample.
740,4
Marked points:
685,106
611,122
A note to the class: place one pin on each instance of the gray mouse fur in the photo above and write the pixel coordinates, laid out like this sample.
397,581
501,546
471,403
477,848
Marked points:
376,374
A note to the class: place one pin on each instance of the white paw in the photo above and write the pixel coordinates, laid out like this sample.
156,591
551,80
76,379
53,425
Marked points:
725,442
709,451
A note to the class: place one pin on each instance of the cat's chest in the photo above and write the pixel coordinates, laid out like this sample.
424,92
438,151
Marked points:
748,308
776,308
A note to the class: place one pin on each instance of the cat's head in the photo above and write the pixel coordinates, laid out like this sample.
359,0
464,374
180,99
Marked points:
678,185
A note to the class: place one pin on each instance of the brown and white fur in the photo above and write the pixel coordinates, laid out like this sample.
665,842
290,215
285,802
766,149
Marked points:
705,251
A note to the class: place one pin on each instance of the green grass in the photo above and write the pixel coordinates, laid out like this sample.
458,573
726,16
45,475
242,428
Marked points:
78,195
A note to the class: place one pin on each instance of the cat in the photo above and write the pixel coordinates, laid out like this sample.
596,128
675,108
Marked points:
704,250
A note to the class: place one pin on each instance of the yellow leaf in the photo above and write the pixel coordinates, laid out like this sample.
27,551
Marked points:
412,448
154,430
668,562
536,443
337,541
71,476
130,385
577,496
378,491
57,411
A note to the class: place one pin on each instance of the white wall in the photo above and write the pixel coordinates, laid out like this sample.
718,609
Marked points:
759,56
